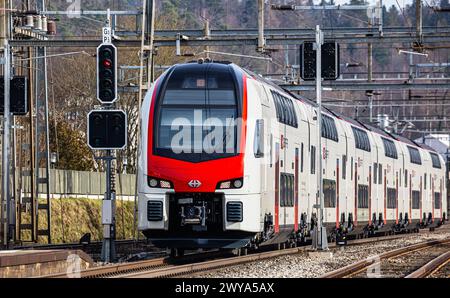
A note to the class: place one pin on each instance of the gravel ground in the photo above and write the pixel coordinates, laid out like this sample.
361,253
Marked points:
302,265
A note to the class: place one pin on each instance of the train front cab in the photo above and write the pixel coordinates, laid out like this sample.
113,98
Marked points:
206,198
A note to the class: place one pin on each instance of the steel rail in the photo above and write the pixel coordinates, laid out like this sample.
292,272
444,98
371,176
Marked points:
430,267
210,265
76,245
108,270
161,267
166,267
362,264
221,263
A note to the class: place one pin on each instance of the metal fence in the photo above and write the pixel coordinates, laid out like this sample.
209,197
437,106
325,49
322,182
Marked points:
79,183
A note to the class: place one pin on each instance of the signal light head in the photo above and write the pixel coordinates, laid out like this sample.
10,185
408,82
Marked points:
106,73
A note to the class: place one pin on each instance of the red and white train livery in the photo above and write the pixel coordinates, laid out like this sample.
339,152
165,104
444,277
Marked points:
228,160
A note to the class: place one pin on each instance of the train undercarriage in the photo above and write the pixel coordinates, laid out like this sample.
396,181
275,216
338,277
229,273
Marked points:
196,220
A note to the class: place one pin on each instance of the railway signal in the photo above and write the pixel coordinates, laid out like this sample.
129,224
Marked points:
107,129
18,96
330,61
107,73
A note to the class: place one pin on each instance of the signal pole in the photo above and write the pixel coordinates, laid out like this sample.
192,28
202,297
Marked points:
107,95
108,215
6,199
6,208
320,241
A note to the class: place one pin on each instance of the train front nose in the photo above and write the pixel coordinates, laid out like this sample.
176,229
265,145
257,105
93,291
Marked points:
195,140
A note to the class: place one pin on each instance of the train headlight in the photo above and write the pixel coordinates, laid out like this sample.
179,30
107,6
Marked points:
153,182
224,185
227,184
165,184
157,183
237,183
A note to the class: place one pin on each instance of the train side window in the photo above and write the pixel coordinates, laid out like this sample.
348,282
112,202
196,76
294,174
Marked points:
437,200
271,146
313,159
351,169
282,190
363,196
380,173
414,155
290,116
391,198
282,109
301,159
329,130
375,172
277,106
389,148
406,178
329,193
435,160
344,166
415,199
285,110
361,139
425,181
294,114
292,190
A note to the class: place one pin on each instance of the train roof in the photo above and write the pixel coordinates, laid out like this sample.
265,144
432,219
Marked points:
312,103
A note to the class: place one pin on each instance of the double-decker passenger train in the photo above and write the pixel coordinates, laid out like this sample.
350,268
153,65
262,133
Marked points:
228,160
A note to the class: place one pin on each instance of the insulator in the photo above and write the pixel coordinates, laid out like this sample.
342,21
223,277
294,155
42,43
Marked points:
51,27
29,21
38,23
44,24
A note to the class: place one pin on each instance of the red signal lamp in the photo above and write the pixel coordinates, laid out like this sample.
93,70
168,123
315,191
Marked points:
107,63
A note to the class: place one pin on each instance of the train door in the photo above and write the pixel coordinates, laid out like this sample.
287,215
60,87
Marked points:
289,178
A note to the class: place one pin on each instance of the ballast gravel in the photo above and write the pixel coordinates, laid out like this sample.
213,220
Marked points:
306,266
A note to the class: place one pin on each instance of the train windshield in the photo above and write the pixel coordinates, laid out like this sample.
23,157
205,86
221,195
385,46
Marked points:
197,113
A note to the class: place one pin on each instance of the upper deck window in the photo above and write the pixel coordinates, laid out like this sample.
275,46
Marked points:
285,109
361,139
329,130
414,155
435,160
389,148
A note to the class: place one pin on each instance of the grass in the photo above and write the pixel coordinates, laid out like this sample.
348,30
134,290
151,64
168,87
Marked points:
71,218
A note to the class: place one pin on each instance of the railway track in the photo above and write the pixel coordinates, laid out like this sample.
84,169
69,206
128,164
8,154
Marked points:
438,267
167,267
399,262
124,248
